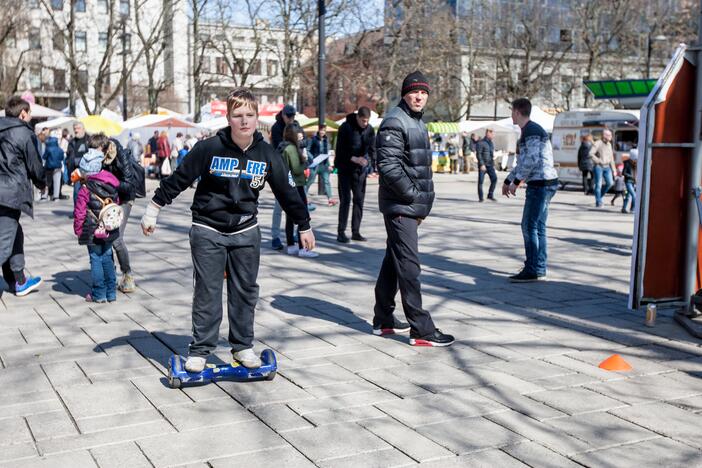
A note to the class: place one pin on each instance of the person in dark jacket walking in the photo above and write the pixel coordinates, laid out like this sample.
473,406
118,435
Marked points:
284,117
355,149
118,163
77,147
98,188
629,173
20,166
319,145
486,165
53,164
585,163
233,166
405,196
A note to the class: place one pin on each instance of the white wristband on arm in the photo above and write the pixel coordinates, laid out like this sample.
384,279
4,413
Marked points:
150,215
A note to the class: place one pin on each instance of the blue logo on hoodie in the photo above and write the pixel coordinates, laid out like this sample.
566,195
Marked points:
229,167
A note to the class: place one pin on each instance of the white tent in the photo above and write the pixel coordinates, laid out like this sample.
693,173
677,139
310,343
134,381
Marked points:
506,134
59,122
40,112
542,118
146,125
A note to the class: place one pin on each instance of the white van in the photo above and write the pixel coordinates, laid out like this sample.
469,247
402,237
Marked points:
569,127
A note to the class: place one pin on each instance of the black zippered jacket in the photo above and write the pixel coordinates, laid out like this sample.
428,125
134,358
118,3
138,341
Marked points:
226,198
20,165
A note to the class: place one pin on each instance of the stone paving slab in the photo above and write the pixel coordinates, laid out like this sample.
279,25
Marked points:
84,384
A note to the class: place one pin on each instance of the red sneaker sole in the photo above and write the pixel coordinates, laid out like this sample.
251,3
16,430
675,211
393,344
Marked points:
427,343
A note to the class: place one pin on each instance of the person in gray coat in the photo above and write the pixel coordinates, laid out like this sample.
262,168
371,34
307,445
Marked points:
406,195
20,165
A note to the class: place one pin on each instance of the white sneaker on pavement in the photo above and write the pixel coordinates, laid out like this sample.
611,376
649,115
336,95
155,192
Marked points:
195,364
247,358
292,250
304,253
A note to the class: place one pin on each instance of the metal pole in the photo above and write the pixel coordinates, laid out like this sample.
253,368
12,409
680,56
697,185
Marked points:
321,92
694,179
124,68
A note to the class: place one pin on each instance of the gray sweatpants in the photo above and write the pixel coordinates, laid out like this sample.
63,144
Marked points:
213,254
119,246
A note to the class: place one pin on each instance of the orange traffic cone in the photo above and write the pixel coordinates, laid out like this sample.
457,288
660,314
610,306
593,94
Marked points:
615,363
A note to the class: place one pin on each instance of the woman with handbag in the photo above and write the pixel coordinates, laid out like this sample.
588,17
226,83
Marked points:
163,154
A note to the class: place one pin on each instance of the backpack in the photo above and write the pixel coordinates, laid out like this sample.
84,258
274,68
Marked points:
109,219
139,177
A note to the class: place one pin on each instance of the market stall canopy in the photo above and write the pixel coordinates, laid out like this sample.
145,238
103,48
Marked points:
331,125
542,118
443,127
100,124
40,112
59,122
164,111
214,124
158,121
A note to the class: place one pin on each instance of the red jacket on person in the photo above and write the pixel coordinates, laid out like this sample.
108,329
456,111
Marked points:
164,148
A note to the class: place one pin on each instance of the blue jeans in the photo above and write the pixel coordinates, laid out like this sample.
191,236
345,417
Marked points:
102,270
323,171
76,189
275,222
534,219
609,181
630,194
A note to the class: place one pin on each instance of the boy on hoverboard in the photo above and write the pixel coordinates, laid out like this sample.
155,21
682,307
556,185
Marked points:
234,166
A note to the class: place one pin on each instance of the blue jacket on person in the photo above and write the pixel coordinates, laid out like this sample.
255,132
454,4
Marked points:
53,154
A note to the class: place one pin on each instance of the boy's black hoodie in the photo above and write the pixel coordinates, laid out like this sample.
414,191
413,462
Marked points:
226,198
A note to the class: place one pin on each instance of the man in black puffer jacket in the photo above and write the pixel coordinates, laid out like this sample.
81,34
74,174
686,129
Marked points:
20,166
355,150
406,196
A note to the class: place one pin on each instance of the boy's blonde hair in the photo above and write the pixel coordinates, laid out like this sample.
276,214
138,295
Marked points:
241,97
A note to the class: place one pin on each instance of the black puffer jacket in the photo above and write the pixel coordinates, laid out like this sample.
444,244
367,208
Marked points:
404,164
352,140
19,162
121,168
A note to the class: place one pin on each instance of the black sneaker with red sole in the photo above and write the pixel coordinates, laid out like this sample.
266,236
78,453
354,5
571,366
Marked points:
436,339
397,327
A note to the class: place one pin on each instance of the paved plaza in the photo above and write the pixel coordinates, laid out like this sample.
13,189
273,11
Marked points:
83,385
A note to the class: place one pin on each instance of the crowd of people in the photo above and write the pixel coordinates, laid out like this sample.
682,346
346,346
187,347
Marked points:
228,171
597,164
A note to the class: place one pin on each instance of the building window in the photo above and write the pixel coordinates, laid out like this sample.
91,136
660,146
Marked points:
124,7
33,3
102,42
81,41
57,5
58,41
256,67
272,68
206,64
35,78
83,80
59,80
79,6
35,39
221,65
127,43
566,36
102,7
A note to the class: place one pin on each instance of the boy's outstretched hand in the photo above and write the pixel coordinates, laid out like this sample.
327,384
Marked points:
150,218
307,239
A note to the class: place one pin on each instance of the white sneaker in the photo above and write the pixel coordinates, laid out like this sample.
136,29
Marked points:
247,358
195,364
307,253
292,250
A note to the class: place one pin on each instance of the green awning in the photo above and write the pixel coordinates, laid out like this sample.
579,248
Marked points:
443,127
620,89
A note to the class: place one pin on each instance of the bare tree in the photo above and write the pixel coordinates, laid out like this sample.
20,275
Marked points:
200,42
604,26
64,24
12,25
150,33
